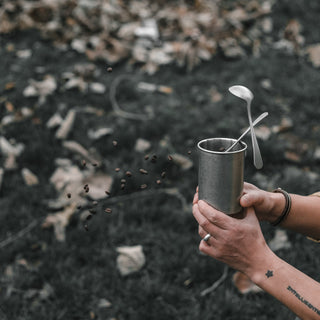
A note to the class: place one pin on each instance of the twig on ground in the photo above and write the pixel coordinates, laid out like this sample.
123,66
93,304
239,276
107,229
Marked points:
115,105
216,284
19,234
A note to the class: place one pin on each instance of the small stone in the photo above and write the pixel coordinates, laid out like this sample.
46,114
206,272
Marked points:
143,171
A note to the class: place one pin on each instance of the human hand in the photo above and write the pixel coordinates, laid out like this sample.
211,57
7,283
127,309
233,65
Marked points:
267,205
236,242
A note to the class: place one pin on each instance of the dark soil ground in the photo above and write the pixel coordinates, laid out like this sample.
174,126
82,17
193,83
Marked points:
82,270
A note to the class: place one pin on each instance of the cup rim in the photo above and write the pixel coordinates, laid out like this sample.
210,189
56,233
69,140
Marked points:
222,152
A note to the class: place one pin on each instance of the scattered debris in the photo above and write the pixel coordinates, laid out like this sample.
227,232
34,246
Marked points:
41,89
313,53
182,161
104,303
97,88
8,147
244,284
29,177
79,149
130,259
142,145
279,241
55,121
98,133
60,220
150,87
99,182
66,125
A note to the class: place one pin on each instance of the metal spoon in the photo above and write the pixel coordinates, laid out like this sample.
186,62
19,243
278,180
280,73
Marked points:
245,94
255,122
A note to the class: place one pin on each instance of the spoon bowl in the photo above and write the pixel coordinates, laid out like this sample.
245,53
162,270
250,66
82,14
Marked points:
241,92
245,94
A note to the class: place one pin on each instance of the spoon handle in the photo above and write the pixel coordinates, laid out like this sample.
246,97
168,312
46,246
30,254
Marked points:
257,159
255,122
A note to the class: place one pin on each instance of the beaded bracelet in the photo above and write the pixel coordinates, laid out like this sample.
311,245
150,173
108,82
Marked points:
286,209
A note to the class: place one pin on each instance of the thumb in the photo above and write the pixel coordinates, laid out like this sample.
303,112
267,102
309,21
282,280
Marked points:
249,199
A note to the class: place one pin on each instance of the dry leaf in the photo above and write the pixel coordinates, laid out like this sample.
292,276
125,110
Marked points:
65,175
130,259
263,132
66,125
98,133
104,303
8,148
142,145
183,162
79,149
244,284
313,52
29,177
59,221
98,183
279,241
41,89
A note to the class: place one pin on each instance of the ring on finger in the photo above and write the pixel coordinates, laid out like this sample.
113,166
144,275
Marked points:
207,237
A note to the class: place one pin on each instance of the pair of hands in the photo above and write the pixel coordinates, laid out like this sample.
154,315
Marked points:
236,241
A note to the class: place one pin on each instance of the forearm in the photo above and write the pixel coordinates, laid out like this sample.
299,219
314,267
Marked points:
304,216
297,291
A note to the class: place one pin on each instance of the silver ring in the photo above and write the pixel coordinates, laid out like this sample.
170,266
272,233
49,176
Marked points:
206,238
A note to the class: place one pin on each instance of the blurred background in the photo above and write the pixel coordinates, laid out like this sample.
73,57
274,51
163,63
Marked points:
102,104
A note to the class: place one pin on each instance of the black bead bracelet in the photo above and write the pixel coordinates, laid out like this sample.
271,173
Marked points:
286,209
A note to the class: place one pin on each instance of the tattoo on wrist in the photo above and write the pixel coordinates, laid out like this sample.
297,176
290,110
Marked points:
269,273
303,300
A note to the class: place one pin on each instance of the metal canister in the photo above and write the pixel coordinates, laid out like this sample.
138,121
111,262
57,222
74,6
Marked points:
221,174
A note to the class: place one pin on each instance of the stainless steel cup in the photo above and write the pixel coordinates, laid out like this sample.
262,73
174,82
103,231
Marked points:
221,173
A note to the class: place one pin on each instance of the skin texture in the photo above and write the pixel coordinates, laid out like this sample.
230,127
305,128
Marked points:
238,241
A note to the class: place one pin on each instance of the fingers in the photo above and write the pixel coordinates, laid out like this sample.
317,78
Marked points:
205,225
214,216
195,198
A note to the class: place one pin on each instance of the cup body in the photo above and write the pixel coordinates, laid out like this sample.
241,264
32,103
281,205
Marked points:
221,173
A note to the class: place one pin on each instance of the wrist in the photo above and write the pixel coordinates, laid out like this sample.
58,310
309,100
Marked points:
264,268
277,204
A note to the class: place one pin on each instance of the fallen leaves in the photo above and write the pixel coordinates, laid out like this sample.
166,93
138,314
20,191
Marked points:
143,32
